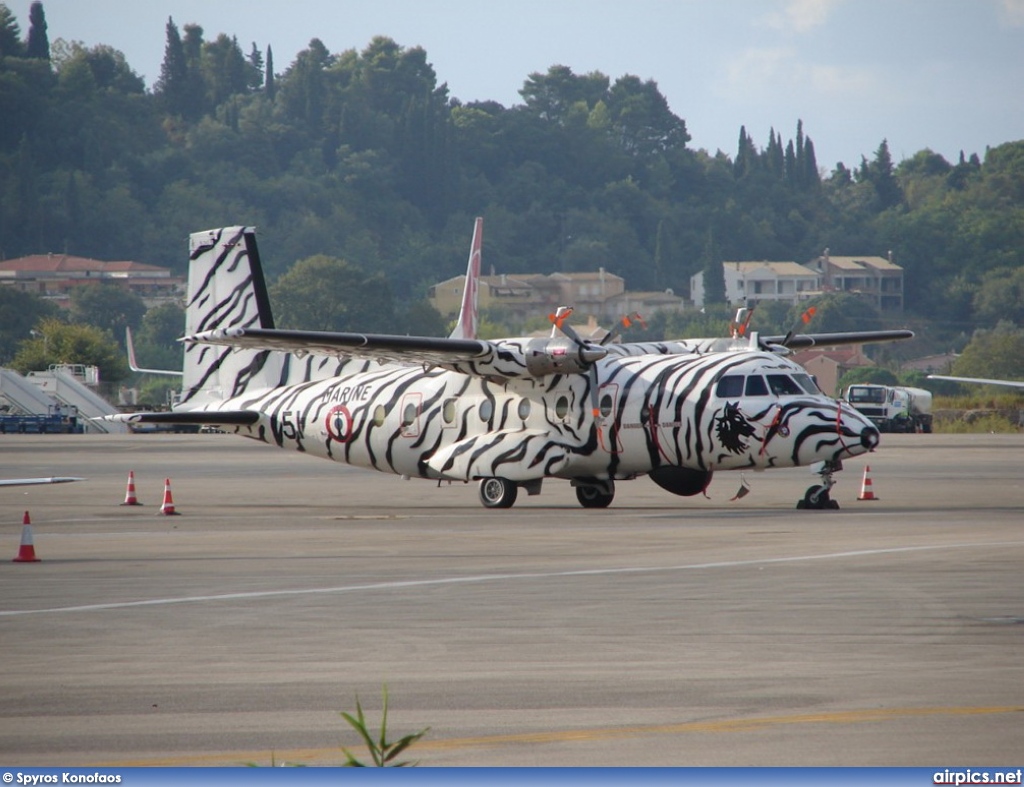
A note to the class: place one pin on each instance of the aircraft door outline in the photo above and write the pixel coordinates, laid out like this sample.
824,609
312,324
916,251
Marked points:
608,409
409,412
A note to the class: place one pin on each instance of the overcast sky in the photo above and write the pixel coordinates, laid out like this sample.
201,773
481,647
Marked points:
939,74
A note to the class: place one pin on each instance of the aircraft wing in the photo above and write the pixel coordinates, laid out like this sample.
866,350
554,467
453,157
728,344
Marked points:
978,380
384,347
34,481
801,341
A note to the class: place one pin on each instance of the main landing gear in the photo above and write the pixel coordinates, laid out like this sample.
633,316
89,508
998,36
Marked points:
596,495
502,493
817,496
498,492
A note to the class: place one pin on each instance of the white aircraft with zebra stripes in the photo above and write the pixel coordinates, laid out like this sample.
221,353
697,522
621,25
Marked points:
509,413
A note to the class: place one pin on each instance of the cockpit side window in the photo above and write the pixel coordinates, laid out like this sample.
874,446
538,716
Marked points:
807,382
783,385
756,386
730,386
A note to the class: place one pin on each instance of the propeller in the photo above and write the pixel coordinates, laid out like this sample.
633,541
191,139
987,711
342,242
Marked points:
805,318
588,352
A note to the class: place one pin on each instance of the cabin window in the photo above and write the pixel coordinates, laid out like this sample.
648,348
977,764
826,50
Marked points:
561,407
730,387
756,386
448,411
524,409
783,385
606,405
486,410
379,414
409,415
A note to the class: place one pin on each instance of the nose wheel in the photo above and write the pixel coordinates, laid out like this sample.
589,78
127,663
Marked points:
817,496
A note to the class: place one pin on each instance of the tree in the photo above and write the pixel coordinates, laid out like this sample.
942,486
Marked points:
172,85
255,60
268,86
881,174
1000,297
837,312
324,293
714,273
550,96
20,312
156,342
108,307
995,354
38,45
10,34
58,342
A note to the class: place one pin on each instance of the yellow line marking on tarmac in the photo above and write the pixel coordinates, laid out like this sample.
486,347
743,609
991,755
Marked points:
297,756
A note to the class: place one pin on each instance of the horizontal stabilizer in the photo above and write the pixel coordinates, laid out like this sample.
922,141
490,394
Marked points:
197,417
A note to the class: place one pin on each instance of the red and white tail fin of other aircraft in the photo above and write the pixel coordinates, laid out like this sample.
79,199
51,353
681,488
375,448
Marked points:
509,414
467,325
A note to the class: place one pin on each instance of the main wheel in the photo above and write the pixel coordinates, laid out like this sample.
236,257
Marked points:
498,493
595,496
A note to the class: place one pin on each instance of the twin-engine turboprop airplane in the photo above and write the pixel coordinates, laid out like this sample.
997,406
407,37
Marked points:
508,413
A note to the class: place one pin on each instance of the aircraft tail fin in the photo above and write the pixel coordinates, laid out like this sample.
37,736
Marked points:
466,327
226,289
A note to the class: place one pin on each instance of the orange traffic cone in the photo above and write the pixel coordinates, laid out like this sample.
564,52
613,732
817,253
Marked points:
27,552
866,492
129,498
167,507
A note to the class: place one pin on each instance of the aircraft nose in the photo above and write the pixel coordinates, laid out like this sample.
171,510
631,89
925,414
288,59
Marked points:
869,438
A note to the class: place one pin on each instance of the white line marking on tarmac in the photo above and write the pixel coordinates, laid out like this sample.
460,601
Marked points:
481,578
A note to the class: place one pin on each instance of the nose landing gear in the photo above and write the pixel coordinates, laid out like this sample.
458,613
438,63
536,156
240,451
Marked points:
817,496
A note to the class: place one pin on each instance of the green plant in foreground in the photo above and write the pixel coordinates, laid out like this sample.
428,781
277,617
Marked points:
382,752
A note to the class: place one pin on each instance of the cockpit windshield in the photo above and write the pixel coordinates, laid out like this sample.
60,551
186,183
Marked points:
733,386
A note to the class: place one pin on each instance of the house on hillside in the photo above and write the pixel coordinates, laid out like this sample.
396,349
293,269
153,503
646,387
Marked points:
751,282
597,294
56,276
877,278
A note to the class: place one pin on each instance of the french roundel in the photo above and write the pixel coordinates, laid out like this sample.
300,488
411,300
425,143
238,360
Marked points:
339,423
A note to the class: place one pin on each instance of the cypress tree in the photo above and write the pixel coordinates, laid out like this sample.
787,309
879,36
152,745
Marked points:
811,176
268,86
38,45
172,84
714,273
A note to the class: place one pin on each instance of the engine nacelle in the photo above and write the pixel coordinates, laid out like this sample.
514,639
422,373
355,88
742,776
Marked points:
560,356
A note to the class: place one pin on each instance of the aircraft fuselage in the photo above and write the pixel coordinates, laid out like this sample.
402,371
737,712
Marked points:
697,412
